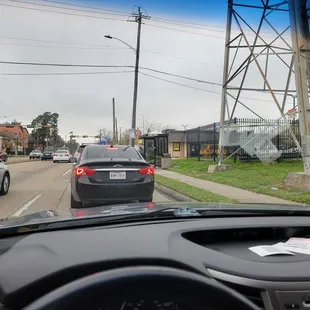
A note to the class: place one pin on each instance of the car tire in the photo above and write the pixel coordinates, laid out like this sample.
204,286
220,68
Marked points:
54,161
5,185
146,200
74,204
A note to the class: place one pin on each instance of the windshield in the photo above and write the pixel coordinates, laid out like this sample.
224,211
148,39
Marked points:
118,103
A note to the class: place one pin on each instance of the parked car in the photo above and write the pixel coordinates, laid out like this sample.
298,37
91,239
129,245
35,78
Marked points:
62,155
3,156
35,154
47,155
111,174
5,178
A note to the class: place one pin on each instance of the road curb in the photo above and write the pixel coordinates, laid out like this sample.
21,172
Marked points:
173,194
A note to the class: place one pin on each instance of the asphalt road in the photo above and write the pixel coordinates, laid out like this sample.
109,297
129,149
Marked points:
41,185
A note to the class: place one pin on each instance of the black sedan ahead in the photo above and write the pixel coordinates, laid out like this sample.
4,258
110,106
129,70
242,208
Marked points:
111,174
47,155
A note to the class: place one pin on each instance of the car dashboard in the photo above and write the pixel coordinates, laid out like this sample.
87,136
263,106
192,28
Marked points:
34,264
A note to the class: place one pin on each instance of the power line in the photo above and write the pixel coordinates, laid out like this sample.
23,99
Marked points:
57,42
85,6
181,76
64,13
182,58
200,26
66,8
180,84
62,65
64,73
185,31
75,47
197,33
90,46
197,88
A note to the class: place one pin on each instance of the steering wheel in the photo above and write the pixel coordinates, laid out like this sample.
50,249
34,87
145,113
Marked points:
159,283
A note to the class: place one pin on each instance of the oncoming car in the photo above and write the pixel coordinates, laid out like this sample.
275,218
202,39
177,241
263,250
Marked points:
61,156
111,174
4,178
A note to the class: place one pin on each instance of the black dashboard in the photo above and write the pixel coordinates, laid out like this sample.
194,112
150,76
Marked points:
32,265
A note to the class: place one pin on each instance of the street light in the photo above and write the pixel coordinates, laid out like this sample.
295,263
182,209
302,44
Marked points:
185,126
135,91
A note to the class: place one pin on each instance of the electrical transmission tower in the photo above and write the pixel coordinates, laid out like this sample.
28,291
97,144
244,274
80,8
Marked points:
267,52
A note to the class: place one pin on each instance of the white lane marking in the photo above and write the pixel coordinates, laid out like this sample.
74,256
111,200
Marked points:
66,172
26,205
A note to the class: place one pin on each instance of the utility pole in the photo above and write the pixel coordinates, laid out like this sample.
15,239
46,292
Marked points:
116,132
300,34
100,136
114,128
138,18
120,135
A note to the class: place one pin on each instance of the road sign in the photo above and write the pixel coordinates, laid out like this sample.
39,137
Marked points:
30,126
138,133
131,133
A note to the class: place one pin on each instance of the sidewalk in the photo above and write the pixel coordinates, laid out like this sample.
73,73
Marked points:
235,193
17,159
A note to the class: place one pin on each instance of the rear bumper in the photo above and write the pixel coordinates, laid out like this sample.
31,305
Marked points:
96,194
61,158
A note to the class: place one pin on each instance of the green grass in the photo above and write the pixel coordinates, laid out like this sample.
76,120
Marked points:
253,176
191,191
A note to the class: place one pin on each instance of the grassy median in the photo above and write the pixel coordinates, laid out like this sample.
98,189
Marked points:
191,191
254,176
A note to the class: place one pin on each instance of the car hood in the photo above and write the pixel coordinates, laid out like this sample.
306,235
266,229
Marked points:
132,208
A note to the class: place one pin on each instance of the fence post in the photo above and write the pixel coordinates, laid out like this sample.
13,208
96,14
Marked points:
235,148
278,140
214,142
199,146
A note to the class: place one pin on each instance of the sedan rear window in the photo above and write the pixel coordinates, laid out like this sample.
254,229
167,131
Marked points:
62,152
104,152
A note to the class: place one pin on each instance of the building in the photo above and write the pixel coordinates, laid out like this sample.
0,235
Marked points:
177,145
14,138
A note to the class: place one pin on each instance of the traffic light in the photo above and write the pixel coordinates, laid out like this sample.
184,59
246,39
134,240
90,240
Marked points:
85,136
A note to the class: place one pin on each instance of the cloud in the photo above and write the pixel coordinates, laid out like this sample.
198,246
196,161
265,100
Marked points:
84,102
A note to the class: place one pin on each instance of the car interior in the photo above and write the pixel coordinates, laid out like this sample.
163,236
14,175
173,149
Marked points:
184,263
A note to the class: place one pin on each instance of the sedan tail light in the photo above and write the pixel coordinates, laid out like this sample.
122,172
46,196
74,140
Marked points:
79,171
147,170
67,155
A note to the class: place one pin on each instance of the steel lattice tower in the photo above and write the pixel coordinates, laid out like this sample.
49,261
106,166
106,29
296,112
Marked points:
260,33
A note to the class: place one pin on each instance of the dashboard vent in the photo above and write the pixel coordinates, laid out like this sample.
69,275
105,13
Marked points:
251,293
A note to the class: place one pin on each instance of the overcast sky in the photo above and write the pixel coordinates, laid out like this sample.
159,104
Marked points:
40,33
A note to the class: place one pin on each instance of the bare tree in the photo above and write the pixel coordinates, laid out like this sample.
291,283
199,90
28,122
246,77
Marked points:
150,126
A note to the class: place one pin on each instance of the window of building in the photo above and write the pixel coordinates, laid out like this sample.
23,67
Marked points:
176,146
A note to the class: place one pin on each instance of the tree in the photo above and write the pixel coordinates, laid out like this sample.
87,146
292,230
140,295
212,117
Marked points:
13,122
46,135
150,126
72,145
104,133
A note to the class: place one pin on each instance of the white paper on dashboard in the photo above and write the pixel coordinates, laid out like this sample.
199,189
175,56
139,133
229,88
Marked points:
268,250
294,246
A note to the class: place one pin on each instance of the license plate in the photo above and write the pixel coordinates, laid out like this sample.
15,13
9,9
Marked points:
117,175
